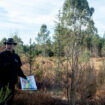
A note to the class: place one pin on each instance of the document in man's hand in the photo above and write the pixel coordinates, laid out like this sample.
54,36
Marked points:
29,84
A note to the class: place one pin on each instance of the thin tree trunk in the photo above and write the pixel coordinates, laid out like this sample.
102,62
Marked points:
72,97
67,77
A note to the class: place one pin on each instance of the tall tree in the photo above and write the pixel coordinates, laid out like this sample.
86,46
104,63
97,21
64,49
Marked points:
75,19
42,38
89,35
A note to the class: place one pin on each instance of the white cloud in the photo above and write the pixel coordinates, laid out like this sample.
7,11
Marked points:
30,11
26,16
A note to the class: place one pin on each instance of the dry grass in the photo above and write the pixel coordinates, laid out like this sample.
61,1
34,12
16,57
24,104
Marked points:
91,88
35,98
43,98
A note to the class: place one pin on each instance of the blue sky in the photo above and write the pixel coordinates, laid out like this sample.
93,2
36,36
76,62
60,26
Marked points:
26,16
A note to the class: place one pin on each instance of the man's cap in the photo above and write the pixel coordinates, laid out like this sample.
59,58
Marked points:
10,41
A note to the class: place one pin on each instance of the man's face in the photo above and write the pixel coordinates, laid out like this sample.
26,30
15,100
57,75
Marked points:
10,46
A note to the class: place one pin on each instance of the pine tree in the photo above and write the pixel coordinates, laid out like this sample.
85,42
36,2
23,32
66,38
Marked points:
42,38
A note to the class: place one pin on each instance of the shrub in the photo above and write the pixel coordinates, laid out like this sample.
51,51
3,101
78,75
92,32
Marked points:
4,93
87,85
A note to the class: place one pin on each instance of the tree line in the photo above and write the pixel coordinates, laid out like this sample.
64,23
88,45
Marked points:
92,42
74,22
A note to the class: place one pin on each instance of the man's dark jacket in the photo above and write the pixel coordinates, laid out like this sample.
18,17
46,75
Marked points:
10,68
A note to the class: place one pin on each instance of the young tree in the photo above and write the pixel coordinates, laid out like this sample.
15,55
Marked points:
31,55
58,42
75,18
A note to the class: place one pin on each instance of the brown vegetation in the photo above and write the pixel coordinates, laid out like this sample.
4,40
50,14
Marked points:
35,98
90,86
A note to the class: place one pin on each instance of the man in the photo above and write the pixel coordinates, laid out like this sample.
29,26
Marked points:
10,69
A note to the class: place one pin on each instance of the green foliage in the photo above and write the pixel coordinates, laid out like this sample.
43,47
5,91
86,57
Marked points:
3,40
85,56
4,95
50,53
43,40
31,54
43,35
76,11
75,25
37,65
38,74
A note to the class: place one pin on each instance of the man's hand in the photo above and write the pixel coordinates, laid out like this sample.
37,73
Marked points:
25,77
